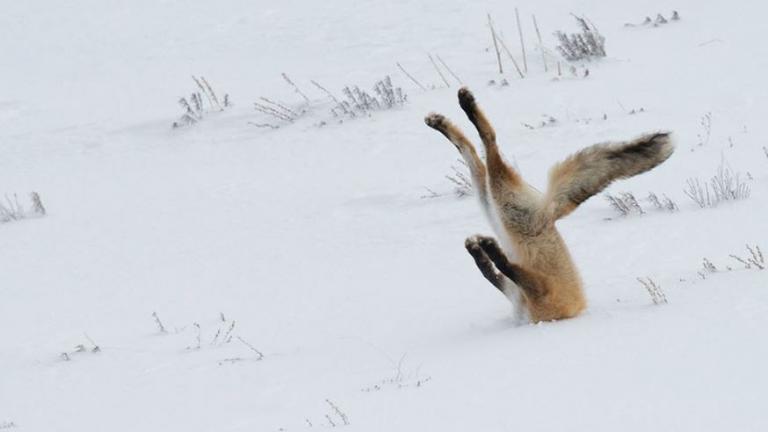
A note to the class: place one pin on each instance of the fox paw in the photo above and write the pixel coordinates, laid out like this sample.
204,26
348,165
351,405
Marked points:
466,99
435,121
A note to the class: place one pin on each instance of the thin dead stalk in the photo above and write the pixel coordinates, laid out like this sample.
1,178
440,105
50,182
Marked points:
439,72
522,42
495,44
324,90
295,87
411,78
259,354
541,44
459,80
511,57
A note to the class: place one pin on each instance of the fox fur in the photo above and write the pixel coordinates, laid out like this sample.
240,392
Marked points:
543,282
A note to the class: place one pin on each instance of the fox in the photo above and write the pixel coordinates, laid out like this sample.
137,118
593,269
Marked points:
530,263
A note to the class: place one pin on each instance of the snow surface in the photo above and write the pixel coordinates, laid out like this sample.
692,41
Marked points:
315,241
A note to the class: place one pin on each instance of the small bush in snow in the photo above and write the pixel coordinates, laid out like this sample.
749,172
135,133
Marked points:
462,185
756,258
708,266
195,107
335,418
706,129
283,112
460,179
723,186
12,210
625,204
654,290
355,103
665,204
360,103
338,412
279,111
581,46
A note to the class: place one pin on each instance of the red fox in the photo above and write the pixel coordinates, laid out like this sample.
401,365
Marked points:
543,282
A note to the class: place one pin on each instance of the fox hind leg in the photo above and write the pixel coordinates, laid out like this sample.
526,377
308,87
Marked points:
515,200
498,171
477,169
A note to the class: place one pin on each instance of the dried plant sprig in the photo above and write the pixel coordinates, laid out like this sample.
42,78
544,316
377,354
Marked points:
511,57
581,46
410,76
654,290
295,87
439,72
459,79
338,411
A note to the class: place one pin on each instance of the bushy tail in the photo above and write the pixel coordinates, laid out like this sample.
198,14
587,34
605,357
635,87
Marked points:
586,173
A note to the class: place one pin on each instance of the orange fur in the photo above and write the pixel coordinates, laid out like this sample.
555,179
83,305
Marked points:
544,278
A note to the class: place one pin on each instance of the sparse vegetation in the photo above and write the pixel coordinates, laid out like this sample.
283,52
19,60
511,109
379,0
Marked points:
355,103
160,326
283,112
708,266
755,258
725,185
664,204
462,185
586,45
81,348
223,335
410,77
12,210
706,129
339,413
755,261
401,378
195,107
361,103
626,204
654,290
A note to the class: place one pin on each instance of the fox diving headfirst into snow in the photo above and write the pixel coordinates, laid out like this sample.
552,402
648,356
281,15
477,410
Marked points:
543,283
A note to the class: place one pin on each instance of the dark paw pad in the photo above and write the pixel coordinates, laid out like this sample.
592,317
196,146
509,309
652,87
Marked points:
488,243
435,121
466,99
472,246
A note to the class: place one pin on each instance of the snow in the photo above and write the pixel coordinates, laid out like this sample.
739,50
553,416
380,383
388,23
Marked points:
317,244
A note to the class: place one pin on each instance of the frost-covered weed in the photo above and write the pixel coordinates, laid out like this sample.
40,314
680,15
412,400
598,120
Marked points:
581,46
626,204
459,178
12,210
360,103
755,258
725,185
654,290
195,107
